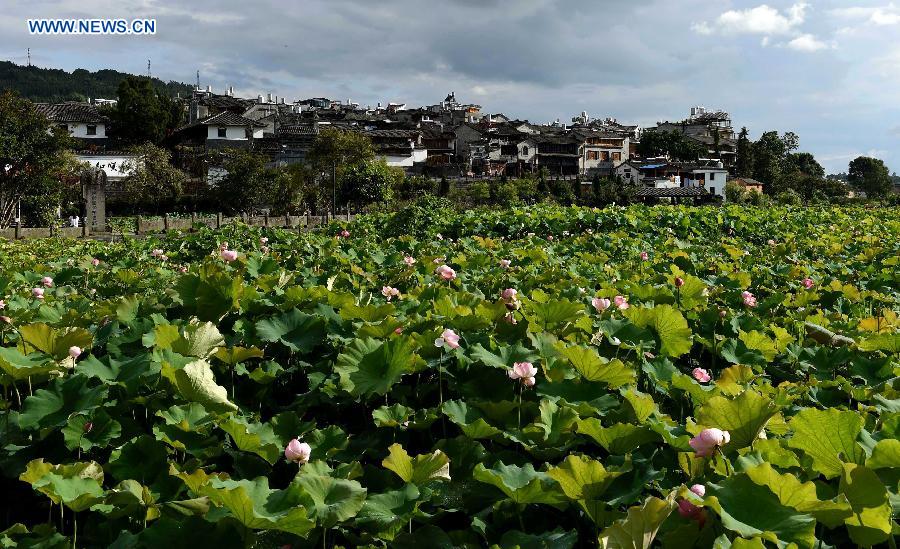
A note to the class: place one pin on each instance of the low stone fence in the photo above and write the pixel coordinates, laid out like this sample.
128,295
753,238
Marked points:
157,225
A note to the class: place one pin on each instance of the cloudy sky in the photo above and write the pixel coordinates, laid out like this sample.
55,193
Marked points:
827,70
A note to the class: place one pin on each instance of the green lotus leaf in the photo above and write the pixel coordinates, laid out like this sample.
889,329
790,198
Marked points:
522,485
257,506
258,438
553,539
91,431
78,486
200,339
593,367
691,294
829,437
885,454
196,382
744,416
870,522
554,421
392,416
889,343
294,329
675,336
801,496
469,419
585,481
420,470
234,355
52,407
53,341
505,357
752,511
638,529
758,341
331,500
368,367
619,438
552,314
389,512
20,367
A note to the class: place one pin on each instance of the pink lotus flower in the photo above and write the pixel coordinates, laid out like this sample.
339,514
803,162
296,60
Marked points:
75,351
95,262
398,330
621,302
389,292
509,294
2,304
528,381
439,260
344,234
263,240
808,283
748,299
297,451
601,304
771,242
448,338
679,282
505,263
47,282
228,255
5,319
163,257
158,253
708,440
445,272
409,260
182,269
644,256
522,370
38,293
550,237
222,246
688,509
701,375
264,249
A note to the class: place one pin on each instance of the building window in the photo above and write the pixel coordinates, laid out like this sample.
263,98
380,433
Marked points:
524,151
604,156
712,177
223,132
91,129
592,155
712,190
617,156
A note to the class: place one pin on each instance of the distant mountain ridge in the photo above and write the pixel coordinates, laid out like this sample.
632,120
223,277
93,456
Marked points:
56,85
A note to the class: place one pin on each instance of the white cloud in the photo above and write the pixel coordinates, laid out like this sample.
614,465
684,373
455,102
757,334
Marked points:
702,28
876,15
762,19
808,43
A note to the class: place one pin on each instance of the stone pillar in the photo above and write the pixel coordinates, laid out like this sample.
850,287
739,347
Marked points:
93,189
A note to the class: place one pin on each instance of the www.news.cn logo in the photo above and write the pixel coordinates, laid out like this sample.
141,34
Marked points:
92,26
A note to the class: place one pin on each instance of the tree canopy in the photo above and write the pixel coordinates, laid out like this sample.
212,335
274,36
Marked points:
869,175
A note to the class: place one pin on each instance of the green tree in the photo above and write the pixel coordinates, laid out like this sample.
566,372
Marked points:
142,114
672,144
296,189
770,158
805,163
334,151
870,175
152,180
245,182
744,162
31,160
370,182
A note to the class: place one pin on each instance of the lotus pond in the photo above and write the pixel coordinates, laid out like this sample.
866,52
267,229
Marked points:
544,377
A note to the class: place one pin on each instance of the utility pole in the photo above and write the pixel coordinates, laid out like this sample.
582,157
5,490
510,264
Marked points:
29,57
333,187
148,69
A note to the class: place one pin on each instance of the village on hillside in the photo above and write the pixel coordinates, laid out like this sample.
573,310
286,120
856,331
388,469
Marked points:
449,139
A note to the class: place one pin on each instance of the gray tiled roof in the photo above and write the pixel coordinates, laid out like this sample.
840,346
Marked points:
70,112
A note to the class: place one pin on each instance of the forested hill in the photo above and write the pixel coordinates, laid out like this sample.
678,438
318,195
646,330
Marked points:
54,85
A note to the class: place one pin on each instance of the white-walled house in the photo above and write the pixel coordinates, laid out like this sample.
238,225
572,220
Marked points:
712,178
221,130
80,120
